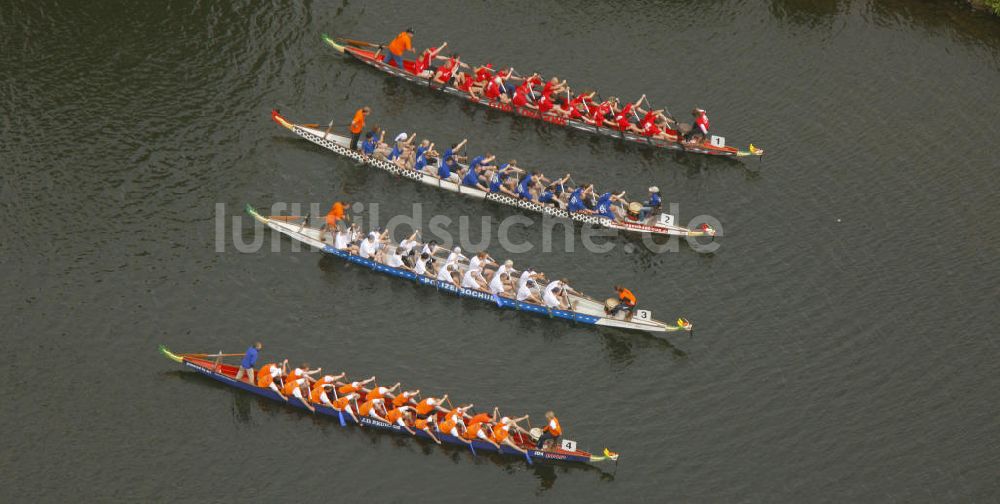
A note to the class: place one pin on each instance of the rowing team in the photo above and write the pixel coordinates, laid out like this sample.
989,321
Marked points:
485,173
479,272
506,87
395,407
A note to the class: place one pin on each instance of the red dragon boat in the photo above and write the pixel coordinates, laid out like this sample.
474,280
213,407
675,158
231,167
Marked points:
714,145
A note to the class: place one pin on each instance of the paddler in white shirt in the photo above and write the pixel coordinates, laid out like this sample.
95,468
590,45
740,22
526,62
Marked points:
480,261
529,274
498,284
445,274
371,247
557,294
526,293
456,256
395,259
473,279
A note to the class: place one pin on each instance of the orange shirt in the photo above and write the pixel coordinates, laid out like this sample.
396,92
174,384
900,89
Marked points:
446,426
425,407
401,43
553,427
341,403
335,214
264,378
366,407
627,296
420,424
347,389
290,386
316,395
374,394
499,433
393,415
472,430
400,400
358,123
482,417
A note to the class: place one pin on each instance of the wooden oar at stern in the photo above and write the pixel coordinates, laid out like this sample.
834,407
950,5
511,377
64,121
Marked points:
356,43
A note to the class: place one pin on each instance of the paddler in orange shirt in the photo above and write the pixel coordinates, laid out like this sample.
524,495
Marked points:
626,303
403,42
336,214
358,125
551,431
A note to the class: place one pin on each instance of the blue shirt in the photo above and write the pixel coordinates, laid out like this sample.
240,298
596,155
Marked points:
448,153
250,359
395,152
495,182
575,203
471,178
421,162
546,196
368,146
522,188
421,150
444,171
604,208
476,161
655,200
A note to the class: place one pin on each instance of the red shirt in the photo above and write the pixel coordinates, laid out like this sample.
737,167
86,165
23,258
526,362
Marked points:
521,95
702,122
467,83
492,90
545,103
483,74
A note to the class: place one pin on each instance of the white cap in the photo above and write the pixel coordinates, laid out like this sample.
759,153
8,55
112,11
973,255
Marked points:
372,235
457,250
654,189
401,137
505,420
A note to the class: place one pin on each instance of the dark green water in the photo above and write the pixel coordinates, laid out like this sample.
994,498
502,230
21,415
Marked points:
846,347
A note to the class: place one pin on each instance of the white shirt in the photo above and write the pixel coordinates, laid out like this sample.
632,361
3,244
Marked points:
368,248
496,284
505,270
475,262
395,260
454,257
427,250
420,266
471,278
444,274
408,245
525,275
550,298
341,241
523,292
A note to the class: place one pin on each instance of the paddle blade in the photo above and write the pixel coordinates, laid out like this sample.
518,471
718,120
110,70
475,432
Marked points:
341,415
528,458
473,448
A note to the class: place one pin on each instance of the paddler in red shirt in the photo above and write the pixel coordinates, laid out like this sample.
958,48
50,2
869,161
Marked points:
423,67
448,70
522,93
701,125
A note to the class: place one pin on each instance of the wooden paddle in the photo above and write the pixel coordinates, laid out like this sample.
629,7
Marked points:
359,43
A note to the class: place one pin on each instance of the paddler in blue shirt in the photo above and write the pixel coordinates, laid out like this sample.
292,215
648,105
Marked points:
371,143
471,179
482,161
577,200
448,168
453,151
248,362
606,205
550,195
651,205
499,177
